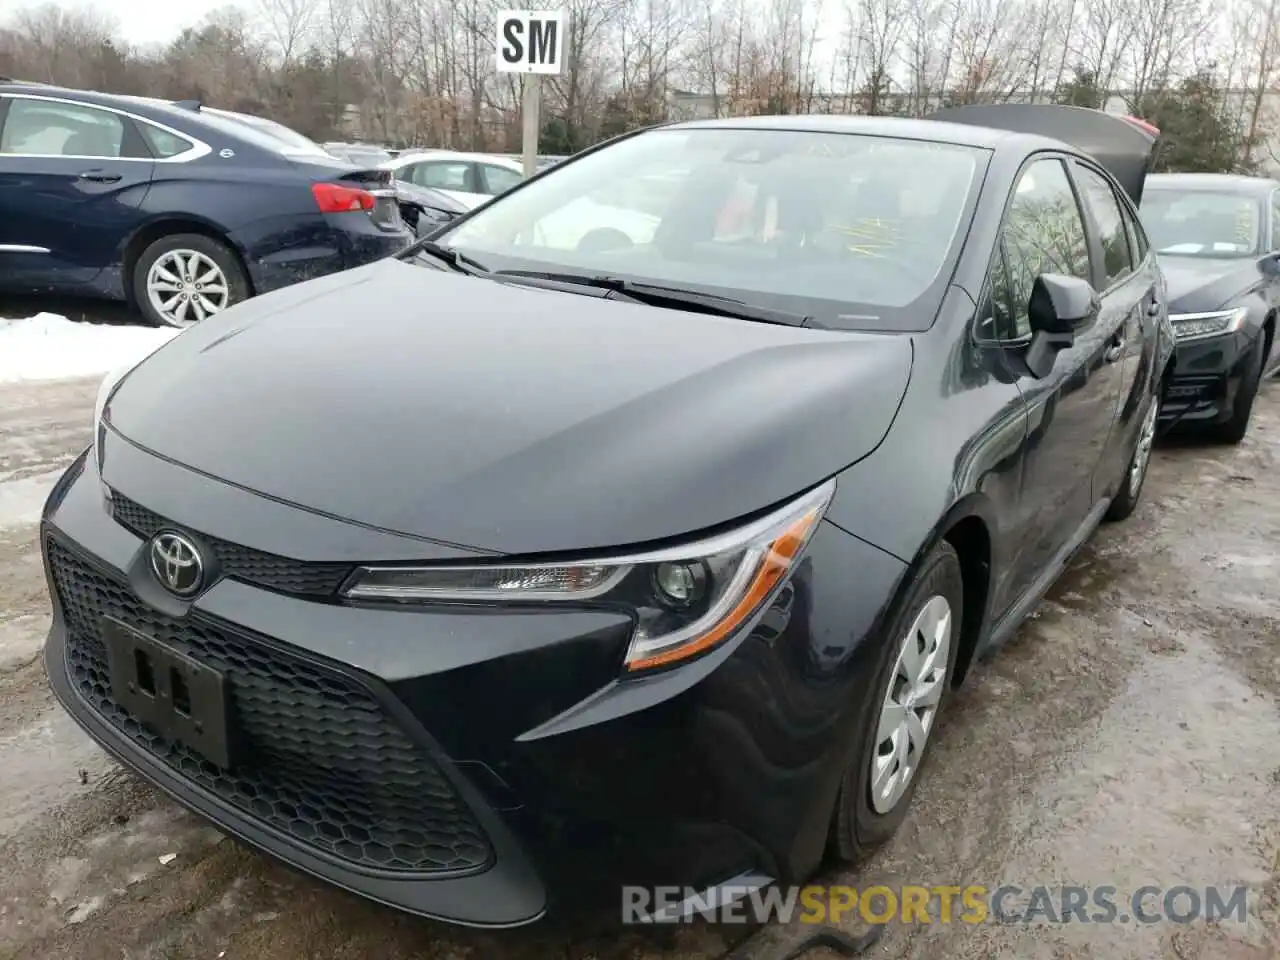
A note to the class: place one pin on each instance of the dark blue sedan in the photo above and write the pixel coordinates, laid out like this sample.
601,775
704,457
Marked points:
173,208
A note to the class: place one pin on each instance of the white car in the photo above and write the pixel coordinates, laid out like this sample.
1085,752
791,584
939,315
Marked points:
472,178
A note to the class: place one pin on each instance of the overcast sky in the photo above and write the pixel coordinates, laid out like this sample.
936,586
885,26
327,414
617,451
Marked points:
144,21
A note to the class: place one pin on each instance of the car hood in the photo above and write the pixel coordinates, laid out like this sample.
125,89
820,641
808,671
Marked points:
509,419
1198,284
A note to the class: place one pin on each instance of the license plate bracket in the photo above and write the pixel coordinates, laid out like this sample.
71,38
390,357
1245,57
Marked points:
178,697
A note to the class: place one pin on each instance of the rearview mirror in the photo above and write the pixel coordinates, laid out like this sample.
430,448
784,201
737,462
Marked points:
1060,307
1269,265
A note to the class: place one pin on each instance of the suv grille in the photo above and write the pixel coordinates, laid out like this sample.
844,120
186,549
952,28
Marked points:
321,761
242,563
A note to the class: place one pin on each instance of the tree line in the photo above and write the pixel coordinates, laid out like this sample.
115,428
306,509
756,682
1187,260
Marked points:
423,72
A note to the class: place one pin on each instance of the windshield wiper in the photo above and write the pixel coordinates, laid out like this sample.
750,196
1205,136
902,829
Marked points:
459,261
658,294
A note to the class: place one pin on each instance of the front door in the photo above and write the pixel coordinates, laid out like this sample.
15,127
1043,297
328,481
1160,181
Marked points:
1069,412
1128,279
72,179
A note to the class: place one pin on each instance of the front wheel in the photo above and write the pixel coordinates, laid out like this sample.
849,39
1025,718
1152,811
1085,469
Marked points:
1234,430
184,278
910,689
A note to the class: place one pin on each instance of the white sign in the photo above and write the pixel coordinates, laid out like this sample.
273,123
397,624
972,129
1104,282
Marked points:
531,41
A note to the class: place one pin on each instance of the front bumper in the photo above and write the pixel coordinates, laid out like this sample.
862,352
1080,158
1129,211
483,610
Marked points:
468,765
1206,377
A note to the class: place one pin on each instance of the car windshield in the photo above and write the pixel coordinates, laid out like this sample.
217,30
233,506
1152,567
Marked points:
854,231
1201,223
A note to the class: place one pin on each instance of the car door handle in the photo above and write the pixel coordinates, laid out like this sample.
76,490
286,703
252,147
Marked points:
1115,350
99,176
1153,309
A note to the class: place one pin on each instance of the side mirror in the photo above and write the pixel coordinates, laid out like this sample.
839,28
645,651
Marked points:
1269,265
1060,307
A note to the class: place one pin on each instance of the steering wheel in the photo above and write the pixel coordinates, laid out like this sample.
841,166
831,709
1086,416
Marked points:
604,240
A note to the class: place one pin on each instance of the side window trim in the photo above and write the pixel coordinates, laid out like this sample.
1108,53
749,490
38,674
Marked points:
199,148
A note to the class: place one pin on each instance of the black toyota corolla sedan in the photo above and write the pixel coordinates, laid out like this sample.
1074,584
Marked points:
1218,241
588,544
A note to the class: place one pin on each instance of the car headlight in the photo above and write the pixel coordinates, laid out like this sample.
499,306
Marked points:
105,391
686,600
1196,326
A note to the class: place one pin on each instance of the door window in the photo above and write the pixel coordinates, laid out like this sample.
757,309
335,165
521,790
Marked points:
1043,233
500,179
163,144
443,175
42,128
1117,260
1275,221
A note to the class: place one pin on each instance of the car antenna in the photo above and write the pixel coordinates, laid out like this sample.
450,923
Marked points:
193,105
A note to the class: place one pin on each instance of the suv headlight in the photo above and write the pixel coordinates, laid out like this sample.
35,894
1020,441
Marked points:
686,600
1197,326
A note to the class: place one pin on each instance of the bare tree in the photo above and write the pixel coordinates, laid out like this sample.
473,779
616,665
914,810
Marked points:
882,24
290,24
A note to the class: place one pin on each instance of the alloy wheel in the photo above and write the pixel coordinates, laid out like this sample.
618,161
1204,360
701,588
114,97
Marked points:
911,704
1142,454
187,286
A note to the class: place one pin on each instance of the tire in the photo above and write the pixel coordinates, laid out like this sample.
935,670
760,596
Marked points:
1233,430
1135,473
861,823
217,270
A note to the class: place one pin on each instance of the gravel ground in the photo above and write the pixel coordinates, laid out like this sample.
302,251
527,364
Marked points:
1128,735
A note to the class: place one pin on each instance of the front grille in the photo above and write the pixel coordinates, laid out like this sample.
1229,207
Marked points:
242,563
318,759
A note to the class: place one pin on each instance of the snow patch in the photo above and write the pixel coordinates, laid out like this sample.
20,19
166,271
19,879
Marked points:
51,347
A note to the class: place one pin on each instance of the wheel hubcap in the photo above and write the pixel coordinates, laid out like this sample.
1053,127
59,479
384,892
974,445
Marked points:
1142,455
911,704
185,287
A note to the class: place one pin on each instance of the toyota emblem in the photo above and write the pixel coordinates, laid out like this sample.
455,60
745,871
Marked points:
176,563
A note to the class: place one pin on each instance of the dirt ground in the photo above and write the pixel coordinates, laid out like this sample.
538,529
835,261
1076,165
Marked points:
1129,735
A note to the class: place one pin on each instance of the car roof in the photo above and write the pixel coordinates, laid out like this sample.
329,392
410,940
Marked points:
152,108
1220,182
937,131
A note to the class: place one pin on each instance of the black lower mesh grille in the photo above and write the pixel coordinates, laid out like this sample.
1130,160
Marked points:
319,759
243,563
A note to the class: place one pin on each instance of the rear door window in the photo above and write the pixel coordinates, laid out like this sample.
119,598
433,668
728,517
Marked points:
43,128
